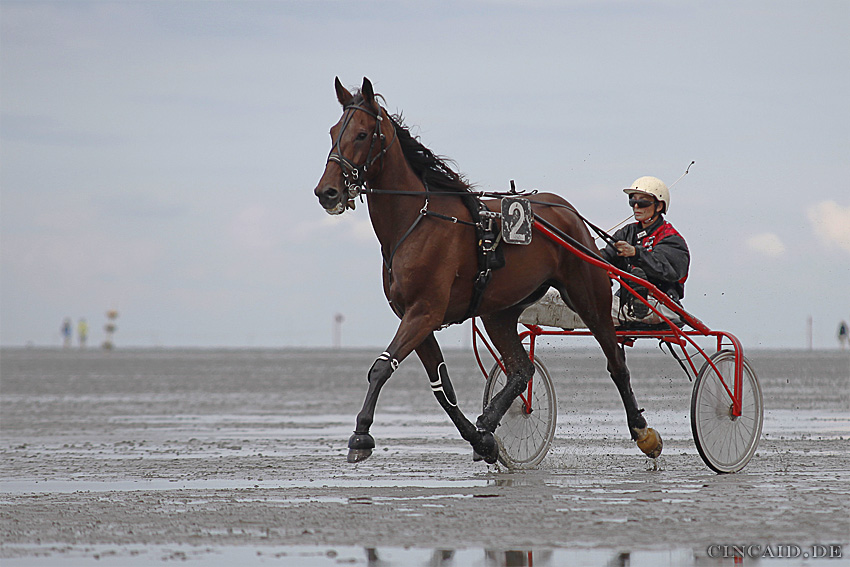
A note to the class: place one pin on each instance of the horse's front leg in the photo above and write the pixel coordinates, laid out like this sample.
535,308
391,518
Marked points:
411,332
482,441
361,442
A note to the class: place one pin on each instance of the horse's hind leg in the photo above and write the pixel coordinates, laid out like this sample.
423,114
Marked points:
482,442
647,439
600,324
502,329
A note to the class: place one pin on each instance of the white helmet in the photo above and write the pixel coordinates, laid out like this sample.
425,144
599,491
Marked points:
651,186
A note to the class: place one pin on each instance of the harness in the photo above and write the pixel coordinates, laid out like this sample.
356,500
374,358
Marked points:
487,234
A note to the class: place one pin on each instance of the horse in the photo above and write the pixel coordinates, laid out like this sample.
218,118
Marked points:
419,209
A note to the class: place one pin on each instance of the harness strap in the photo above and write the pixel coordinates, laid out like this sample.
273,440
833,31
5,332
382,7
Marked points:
488,259
424,212
453,220
388,263
602,234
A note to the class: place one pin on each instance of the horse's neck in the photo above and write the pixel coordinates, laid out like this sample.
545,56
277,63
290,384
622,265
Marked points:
393,215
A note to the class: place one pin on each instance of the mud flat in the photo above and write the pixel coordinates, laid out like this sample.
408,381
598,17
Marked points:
219,457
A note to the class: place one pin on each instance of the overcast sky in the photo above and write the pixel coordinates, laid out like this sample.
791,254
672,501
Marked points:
159,158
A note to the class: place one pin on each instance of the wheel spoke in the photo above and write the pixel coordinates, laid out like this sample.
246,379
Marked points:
725,443
525,437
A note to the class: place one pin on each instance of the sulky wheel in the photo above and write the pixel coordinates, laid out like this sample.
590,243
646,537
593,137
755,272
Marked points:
725,442
524,438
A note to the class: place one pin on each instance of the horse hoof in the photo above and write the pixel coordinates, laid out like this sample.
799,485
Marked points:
357,455
649,441
360,447
487,448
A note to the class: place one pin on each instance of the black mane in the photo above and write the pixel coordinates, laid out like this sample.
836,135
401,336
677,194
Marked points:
435,170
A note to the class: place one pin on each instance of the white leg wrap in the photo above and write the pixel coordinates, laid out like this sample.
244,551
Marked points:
387,356
437,384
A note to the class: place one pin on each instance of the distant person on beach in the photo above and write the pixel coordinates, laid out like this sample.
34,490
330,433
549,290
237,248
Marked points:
66,333
82,332
649,248
843,337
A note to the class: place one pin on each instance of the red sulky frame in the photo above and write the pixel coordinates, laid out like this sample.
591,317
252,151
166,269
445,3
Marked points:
672,336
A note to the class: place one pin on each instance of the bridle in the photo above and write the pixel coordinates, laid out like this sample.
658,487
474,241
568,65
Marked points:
354,176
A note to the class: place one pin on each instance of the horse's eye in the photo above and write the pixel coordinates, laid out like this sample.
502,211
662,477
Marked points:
361,136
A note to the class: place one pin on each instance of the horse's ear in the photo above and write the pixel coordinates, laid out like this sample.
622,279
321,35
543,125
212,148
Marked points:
368,92
342,94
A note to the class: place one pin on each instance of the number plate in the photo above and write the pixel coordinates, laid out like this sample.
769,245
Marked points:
517,220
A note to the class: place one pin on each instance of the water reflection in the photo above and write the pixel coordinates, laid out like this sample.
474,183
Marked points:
491,558
517,558
581,557
137,555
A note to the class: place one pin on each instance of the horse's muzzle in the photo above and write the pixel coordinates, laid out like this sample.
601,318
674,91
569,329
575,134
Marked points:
331,199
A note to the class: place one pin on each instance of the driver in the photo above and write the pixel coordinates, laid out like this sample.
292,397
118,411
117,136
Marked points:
650,249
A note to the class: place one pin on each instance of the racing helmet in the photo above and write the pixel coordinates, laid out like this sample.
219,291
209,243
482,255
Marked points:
651,186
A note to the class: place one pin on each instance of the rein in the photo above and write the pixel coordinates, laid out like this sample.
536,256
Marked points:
489,195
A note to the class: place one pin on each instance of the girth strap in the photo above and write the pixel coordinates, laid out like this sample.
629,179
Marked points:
490,256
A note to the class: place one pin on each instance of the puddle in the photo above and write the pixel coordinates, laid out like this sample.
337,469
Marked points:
327,556
676,425
806,423
71,486
333,556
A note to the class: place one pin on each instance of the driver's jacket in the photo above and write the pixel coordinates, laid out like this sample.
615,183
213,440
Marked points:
659,250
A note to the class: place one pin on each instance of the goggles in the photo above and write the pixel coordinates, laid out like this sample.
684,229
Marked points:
641,203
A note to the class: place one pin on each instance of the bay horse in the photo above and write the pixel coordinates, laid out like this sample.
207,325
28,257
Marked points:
417,207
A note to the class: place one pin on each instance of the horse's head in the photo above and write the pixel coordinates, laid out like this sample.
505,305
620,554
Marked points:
358,142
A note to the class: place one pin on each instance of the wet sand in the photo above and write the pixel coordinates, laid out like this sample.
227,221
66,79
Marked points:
140,456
